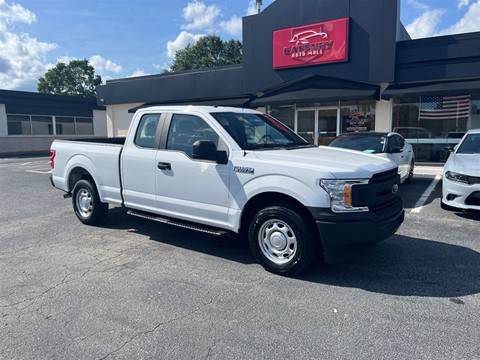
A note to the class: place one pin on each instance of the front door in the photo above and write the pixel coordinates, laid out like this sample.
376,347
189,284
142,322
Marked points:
189,189
317,125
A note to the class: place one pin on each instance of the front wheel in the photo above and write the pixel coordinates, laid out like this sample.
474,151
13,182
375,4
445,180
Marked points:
282,240
86,203
410,172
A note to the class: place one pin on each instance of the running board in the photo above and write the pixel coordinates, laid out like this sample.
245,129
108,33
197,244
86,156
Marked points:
179,223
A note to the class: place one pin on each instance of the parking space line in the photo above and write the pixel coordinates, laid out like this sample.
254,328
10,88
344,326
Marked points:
423,199
39,171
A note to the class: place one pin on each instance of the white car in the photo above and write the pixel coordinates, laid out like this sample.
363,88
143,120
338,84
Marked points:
461,174
388,145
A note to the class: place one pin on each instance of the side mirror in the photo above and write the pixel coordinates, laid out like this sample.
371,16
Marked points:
206,150
448,149
396,150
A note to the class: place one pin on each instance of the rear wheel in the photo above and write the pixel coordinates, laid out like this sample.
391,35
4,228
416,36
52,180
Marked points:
282,240
86,203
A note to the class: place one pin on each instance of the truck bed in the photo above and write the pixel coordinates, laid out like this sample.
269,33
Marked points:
100,157
101,140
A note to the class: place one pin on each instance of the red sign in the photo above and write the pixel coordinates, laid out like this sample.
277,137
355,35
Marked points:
313,44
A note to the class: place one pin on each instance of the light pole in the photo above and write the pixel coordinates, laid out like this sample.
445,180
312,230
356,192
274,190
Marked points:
259,5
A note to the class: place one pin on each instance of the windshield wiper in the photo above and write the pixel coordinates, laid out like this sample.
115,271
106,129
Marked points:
300,146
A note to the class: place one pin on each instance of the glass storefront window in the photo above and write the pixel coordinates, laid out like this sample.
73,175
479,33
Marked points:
65,125
84,126
286,114
433,123
357,116
42,125
18,125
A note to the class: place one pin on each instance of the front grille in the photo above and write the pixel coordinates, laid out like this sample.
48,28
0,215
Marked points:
379,193
473,199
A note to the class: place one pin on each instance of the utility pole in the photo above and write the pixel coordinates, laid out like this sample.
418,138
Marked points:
259,6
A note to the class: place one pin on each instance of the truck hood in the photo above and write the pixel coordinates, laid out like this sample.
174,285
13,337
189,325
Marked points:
340,163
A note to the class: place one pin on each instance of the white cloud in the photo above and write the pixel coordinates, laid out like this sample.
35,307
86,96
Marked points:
138,72
11,13
252,8
22,58
469,23
462,3
426,24
232,26
418,5
181,42
200,16
102,65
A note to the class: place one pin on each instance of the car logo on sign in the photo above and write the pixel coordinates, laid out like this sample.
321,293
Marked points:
395,189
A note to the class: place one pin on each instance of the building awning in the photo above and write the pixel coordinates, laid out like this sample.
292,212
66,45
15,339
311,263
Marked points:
444,88
316,89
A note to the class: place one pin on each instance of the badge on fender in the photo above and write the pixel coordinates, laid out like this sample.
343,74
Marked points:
242,169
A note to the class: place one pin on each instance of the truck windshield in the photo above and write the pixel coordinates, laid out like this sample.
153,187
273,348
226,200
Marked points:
258,131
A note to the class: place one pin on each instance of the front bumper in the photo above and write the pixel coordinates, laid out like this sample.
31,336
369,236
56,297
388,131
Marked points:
345,236
459,195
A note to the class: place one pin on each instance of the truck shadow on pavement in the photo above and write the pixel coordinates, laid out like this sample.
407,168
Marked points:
232,247
407,266
402,266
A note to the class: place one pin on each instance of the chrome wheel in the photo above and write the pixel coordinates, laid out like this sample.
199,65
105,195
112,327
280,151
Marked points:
277,241
84,203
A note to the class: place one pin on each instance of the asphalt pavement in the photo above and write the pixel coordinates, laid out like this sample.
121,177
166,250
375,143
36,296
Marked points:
134,289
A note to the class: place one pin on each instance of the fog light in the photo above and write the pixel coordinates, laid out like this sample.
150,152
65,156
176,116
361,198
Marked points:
451,197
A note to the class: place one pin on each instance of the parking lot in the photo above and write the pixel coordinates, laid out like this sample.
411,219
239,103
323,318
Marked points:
134,289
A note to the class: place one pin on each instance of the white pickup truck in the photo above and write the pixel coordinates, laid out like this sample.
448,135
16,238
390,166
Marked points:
221,170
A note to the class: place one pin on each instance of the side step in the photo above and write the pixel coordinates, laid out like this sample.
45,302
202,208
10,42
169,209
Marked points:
179,223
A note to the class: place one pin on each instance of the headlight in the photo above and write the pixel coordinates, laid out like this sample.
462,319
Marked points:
340,192
451,175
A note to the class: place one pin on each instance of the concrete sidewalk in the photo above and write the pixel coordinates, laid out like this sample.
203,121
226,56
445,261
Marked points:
430,170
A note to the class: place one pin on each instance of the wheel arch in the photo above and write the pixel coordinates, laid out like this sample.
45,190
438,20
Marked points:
79,173
271,198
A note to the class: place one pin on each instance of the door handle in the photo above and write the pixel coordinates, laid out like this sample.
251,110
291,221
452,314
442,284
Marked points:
164,166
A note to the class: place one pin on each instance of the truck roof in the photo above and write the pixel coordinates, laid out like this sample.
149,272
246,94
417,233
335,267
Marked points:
205,109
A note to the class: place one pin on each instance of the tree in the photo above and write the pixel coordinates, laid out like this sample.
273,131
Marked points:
209,51
77,78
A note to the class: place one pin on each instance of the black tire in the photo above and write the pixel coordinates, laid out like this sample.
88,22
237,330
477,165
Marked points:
86,203
282,239
409,178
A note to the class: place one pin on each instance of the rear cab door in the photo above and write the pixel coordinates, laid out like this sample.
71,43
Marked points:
138,162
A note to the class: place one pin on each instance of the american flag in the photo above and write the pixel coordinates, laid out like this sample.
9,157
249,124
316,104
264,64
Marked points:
444,107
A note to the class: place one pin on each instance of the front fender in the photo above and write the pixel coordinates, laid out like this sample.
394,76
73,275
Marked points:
309,196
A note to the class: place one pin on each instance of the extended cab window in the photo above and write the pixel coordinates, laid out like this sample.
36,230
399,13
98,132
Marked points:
185,130
147,129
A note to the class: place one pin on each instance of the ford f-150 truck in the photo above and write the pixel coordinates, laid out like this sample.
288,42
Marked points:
221,170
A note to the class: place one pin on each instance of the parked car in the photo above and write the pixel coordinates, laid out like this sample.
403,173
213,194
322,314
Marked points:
412,132
461,174
388,145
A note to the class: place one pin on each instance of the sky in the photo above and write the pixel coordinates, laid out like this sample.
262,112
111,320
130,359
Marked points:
133,38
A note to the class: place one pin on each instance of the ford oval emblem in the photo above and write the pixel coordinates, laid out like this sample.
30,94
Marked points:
395,189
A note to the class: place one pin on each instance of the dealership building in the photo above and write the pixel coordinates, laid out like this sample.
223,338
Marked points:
325,67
